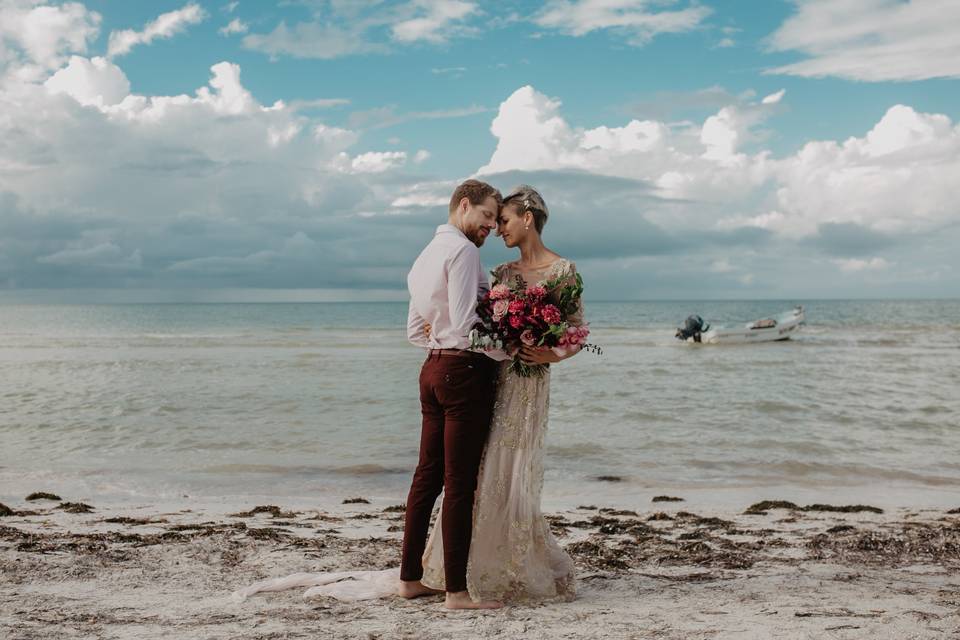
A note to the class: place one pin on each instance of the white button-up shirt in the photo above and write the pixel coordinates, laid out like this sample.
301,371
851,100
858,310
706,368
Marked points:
445,283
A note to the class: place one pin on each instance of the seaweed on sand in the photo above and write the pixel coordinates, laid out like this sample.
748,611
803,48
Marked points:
660,515
75,507
761,508
43,495
272,509
911,543
597,555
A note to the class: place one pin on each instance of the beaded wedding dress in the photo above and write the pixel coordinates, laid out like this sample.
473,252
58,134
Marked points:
514,556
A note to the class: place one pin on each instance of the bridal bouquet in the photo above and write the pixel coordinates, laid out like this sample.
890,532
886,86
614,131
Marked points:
513,315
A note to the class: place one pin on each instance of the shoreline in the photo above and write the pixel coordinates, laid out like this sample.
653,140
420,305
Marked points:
621,493
665,569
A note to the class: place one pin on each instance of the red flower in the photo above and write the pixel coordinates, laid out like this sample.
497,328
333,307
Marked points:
517,306
536,292
551,315
516,322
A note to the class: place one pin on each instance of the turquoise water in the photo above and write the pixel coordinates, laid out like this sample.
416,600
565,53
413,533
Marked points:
159,401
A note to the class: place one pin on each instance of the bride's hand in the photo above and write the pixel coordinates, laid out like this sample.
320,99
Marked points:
538,355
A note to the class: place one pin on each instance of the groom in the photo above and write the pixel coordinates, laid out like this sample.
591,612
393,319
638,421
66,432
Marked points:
456,390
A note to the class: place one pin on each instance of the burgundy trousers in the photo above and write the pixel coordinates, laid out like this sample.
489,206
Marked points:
456,399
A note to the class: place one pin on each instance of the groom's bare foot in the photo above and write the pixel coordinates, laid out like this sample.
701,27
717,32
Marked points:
461,600
414,589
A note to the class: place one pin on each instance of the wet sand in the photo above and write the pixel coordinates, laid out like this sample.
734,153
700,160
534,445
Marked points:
73,569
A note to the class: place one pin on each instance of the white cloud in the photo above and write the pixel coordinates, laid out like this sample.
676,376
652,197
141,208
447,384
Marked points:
425,194
318,103
421,156
686,162
900,177
96,81
381,117
104,255
165,25
722,266
348,28
36,39
378,161
137,167
294,248
634,18
312,40
774,98
872,40
234,26
435,21
856,264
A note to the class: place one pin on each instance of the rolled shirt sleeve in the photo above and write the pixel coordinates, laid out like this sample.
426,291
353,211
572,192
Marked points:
415,324
463,287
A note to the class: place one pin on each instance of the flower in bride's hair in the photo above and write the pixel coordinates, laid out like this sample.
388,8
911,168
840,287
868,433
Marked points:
551,314
499,292
500,308
527,337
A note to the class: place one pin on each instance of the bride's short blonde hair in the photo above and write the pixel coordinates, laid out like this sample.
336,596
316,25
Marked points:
526,198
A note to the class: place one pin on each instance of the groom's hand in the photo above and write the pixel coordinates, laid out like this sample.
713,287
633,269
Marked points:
426,330
538,355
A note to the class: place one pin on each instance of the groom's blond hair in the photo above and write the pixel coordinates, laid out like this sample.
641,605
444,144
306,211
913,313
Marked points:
476,192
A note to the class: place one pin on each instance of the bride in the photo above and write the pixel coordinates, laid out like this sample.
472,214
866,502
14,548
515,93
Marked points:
513,555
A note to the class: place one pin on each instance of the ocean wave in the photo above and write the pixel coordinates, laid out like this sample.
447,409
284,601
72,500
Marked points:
576,450
793,470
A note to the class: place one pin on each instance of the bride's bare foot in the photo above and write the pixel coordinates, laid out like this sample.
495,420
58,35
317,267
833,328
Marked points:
414,589
461,600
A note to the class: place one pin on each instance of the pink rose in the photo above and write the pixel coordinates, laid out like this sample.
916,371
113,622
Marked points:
500,308
527,337
517,306
562,341
550,314
516,322
499,292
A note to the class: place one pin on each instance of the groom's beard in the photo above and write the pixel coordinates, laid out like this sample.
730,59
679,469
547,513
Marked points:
477,236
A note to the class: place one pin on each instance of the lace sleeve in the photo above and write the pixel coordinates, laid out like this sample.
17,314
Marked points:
499,273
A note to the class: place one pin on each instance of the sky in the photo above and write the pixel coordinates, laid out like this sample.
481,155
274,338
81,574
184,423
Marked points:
307,149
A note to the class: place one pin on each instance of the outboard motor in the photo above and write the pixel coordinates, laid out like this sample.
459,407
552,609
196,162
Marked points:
693,326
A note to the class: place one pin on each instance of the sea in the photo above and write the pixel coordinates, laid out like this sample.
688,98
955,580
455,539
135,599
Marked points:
141,403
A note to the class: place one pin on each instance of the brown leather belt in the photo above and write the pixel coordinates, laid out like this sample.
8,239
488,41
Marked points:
461,353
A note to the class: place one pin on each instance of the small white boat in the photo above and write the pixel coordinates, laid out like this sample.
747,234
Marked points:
763,330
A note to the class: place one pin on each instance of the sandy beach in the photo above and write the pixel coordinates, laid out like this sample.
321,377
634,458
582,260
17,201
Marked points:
780,570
